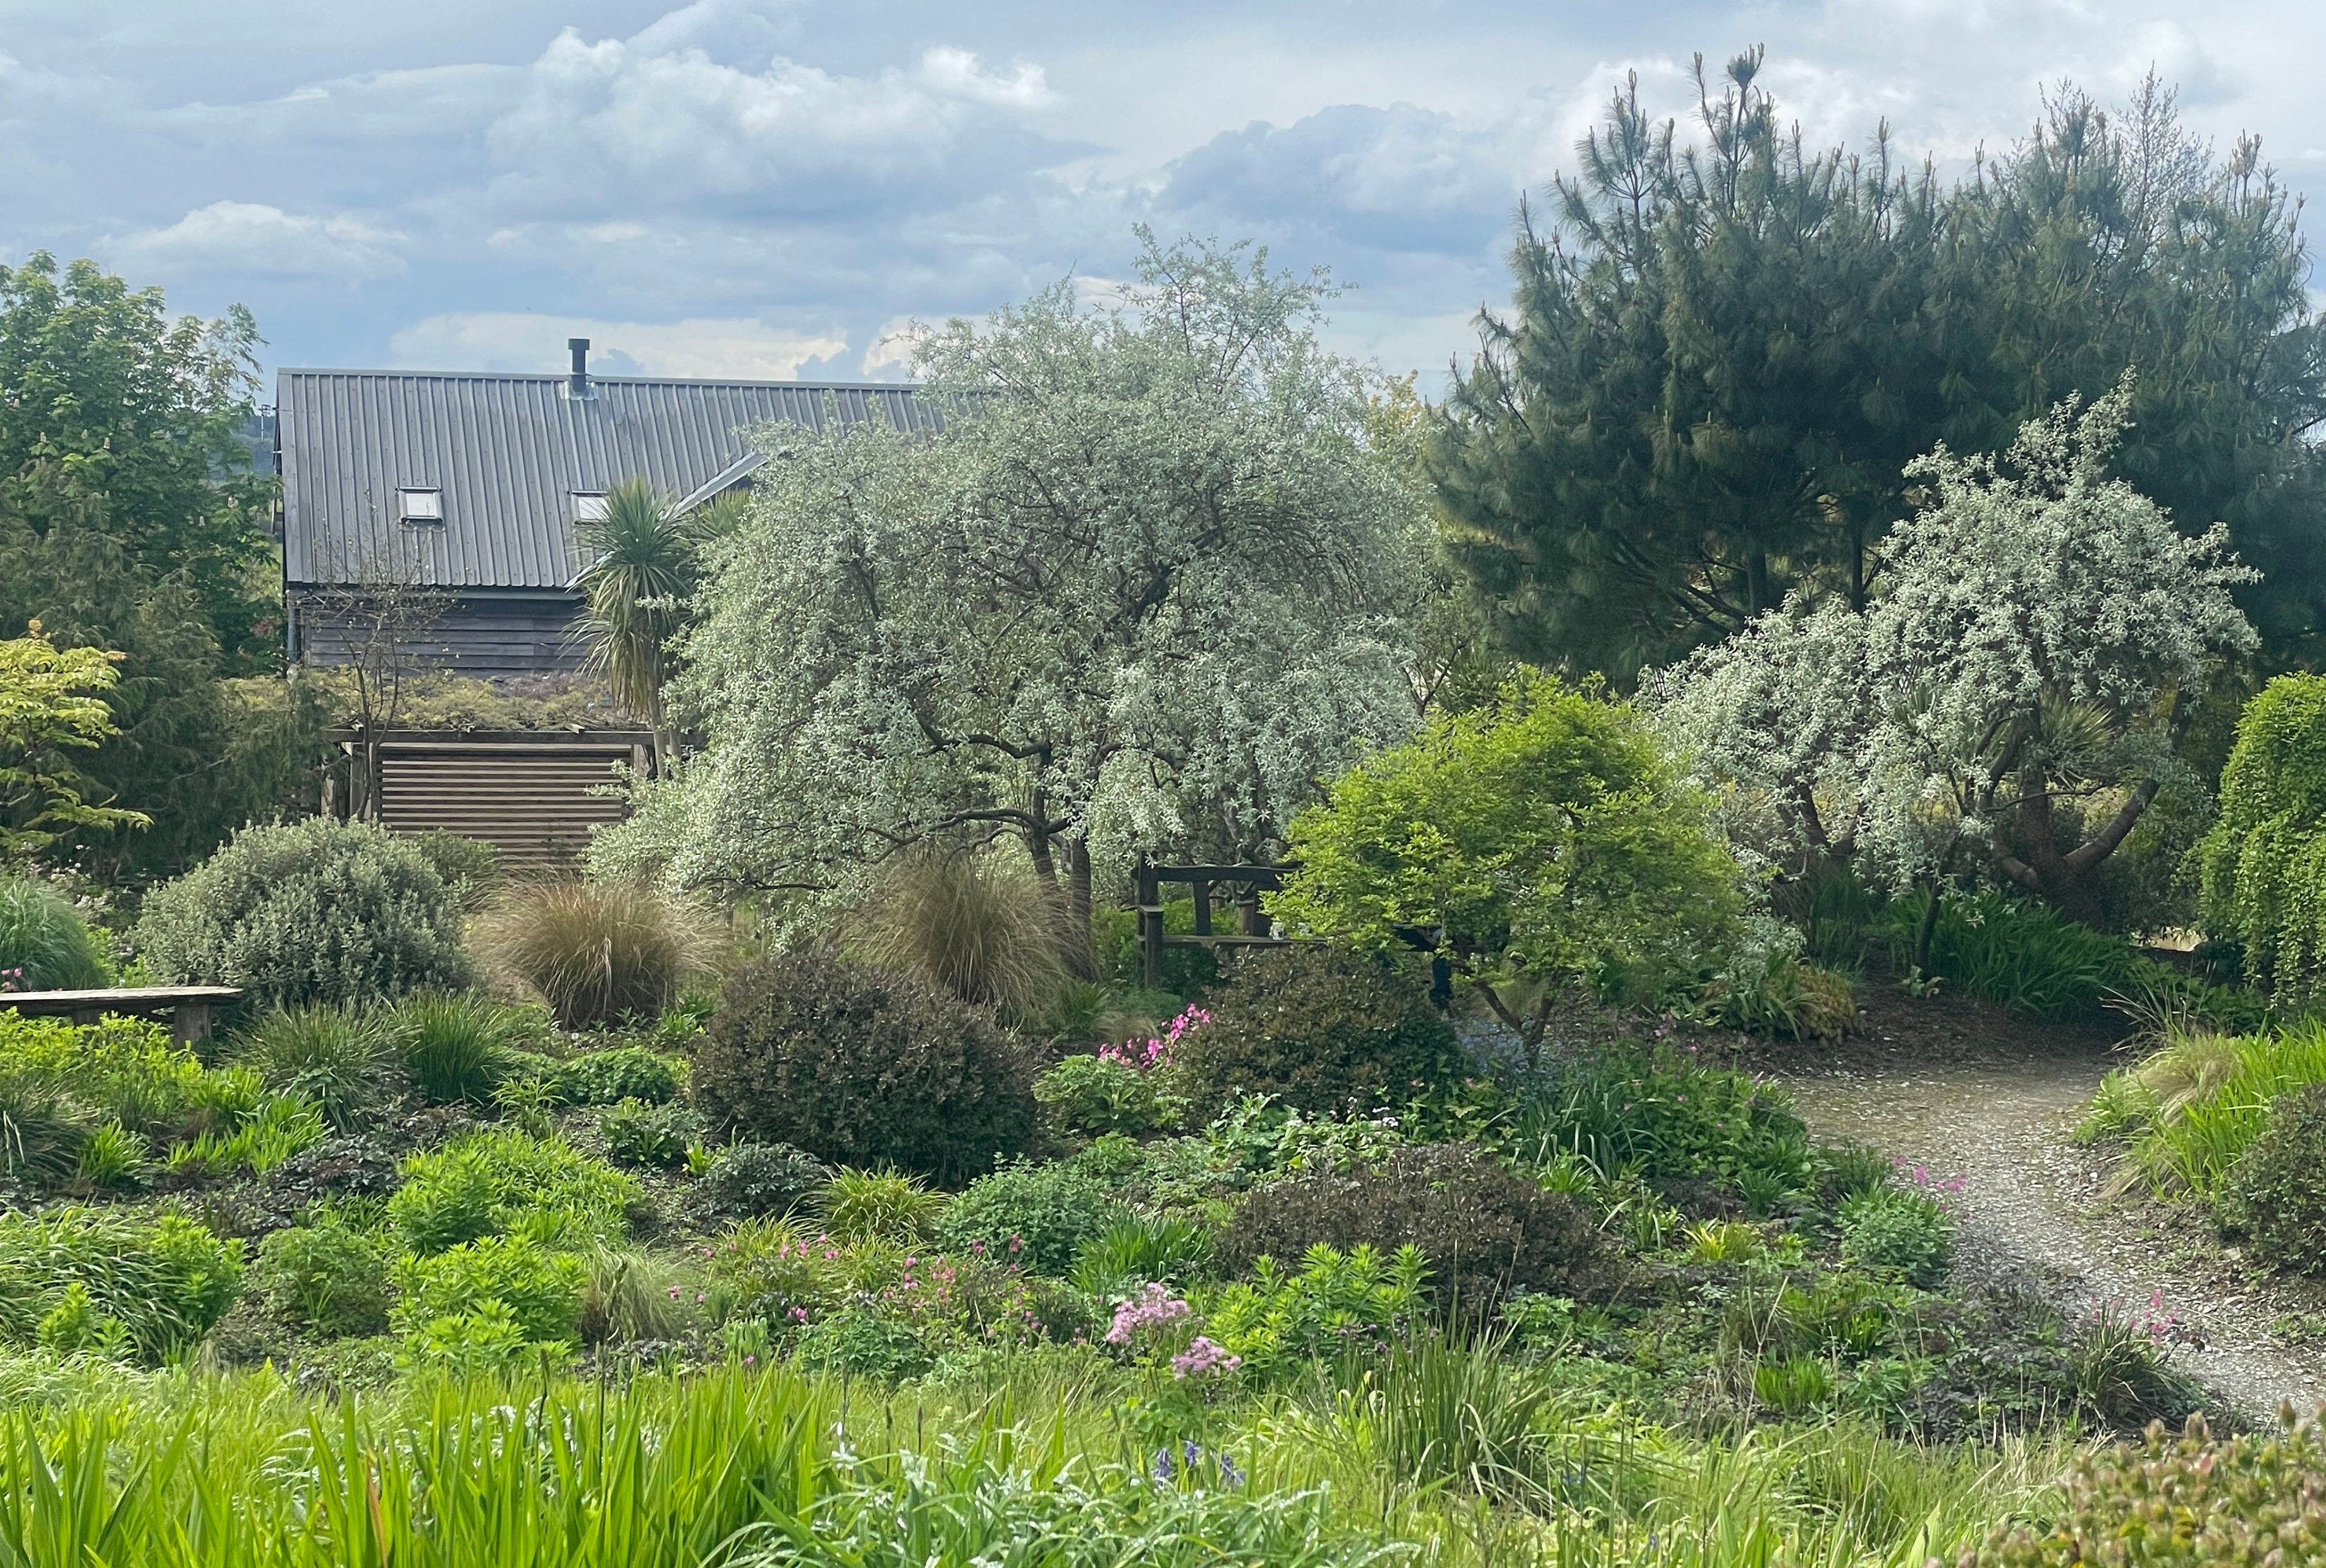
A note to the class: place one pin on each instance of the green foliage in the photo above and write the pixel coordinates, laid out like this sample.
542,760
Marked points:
113,1157
1485,1231
1088,1097
1666,1116
118,1069
340,1057
2019,955
469,867
2276,1190
44,944
2261,865
1134,1249
596,953
628,1072
982,930
877,1206
458,1046
749,1181
865,1068
538,1289
313,912
2195,1501
1726,348
502,1182
1036,1214
1782,995
52,702
1334,1303
326,1276
629,1296
642,570
1321,1027
640,1133
1544,844
163,1279
1899,1229
862,1341
2193,1108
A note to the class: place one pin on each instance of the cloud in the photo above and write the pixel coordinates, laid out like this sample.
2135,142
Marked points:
251,237
616,126
739,349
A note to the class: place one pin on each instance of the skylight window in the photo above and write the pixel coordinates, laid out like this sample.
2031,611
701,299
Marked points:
589,505
420,506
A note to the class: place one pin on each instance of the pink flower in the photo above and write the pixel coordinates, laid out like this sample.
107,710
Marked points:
1154,1307
1202,1357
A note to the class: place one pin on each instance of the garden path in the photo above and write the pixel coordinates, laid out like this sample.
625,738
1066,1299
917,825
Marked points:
1942,1086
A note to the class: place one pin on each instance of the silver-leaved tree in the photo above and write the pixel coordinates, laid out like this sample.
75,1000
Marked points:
1139,594
2011,695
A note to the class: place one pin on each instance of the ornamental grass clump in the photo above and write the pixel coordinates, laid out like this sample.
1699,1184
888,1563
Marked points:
596,953
982,930
44,943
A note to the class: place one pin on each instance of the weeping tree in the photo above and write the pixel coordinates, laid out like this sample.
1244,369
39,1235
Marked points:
642,567
1139,594
2010,699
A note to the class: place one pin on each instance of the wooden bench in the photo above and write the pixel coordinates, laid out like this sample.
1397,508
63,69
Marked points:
188,1006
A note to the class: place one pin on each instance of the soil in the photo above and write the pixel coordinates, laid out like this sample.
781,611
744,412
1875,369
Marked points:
1969,1091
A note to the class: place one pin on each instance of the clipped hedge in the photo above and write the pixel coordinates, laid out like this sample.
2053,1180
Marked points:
308,911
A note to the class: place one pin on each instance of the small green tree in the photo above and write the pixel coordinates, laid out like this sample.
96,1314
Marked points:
2261,868
641,570
51,701
1542,848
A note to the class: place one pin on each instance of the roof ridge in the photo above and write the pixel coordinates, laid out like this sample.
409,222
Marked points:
595,379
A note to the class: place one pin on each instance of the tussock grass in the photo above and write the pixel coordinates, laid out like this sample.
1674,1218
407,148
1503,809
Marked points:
596,952
2191,1110
965,921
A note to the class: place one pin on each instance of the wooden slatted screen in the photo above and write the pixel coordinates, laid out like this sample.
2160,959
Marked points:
530,797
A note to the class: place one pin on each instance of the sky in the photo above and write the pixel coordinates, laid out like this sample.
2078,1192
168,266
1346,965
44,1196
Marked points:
775,188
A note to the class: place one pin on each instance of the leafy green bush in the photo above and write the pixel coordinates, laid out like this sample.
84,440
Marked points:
1091,1096
118,1069
162,1282
328,1276
2276,1192
1898,1230
2195,1501
2261,864
864,1068
1334,1302
1545,843
44,944
1485,1229
308,911
1040,1215
1781,995
1320,1027
539,1289
596,953
2192,1110
2019,955
638,1134
749,1181
337,1057
1135,1249
628,1072
458,1046
862,1341
471,867
499,1181
1667,1116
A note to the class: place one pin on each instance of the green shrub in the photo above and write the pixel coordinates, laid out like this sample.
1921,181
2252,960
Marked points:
163,1279
751,1180
1668,1117
308,911
44,944
1895,1230
596,953
499,1181
539,1289
2194,1501
1485,1229
628,1296
471,868
1322,1028
638,1134
1135,1249
113,1157
458,1046
2018,955
326,1276
877,1206
1335,1302
118,1069
2262,865
863,1069
339,1058
629,1072
862,1341
1088,1097
1039,1215
2276,1192
1781,995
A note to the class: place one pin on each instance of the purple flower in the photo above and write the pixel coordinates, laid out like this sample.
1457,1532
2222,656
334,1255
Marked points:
1202,1357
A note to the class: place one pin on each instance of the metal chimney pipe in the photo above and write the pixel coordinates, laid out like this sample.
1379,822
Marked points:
578,384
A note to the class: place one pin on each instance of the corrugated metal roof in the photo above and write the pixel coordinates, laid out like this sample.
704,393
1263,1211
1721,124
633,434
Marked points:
509,454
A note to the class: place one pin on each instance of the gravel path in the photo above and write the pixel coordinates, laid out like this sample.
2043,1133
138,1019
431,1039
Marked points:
2032,1196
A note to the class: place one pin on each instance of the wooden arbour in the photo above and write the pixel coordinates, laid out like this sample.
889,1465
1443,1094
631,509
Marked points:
1251,924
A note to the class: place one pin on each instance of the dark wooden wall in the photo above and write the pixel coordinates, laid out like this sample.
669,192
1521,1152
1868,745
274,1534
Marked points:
477,634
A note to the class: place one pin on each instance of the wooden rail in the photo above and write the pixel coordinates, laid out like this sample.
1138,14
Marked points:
1251,923
188,1006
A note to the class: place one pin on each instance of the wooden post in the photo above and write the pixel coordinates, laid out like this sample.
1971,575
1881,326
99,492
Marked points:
1202,890
190,1021
1151,926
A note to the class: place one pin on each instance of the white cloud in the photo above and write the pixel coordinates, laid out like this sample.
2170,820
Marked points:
733,348
614,125
251,237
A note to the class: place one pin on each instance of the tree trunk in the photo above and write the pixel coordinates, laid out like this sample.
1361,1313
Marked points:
1074,930
1925,931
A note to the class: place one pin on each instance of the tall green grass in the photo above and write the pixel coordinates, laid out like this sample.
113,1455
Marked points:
2189,1111
758,1467
2018,955
45,942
